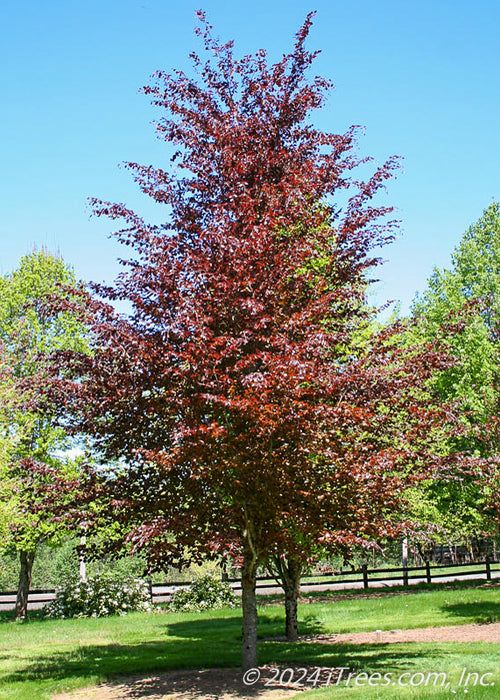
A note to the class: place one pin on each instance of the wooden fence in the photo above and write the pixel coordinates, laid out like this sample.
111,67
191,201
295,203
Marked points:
361,578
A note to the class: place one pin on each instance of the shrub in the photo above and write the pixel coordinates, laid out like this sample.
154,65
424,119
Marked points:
203,594
9,572
99,596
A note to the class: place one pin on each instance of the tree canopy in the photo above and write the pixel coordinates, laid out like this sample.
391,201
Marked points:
470,290
245,417
37,479
462,304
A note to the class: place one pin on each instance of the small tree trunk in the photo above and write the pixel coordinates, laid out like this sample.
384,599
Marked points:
292,590
26,559
249,609
288,572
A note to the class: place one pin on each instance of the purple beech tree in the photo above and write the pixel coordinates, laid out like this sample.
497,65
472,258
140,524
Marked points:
250,422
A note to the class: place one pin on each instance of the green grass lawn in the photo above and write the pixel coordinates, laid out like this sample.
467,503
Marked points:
44,656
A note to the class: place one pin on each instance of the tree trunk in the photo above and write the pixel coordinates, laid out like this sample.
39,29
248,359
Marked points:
291,596
293,571
249,608
288,572
26,559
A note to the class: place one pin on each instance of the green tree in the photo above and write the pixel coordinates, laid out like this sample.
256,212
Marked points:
36,460
461,305
8,442
469,292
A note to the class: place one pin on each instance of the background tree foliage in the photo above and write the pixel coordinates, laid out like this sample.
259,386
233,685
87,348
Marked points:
461,305
9,440
469,291
38,480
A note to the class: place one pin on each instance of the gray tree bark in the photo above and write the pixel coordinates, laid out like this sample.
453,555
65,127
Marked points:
23,588
249,609
288,572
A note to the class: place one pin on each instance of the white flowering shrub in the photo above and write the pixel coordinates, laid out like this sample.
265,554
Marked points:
100,596
203,594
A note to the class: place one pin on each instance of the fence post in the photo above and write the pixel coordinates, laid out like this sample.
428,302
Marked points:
364,569
404,553
488,568
150,588
428,572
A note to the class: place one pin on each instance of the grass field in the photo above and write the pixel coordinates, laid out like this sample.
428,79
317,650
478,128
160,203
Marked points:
44,656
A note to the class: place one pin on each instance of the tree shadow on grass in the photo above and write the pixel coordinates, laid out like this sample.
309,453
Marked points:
480,612
6,615
270,627
137,665
213,682
9,616
205,644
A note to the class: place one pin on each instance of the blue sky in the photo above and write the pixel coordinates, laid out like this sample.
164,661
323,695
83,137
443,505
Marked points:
421,77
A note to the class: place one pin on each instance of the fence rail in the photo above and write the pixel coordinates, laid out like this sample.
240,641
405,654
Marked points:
267,585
